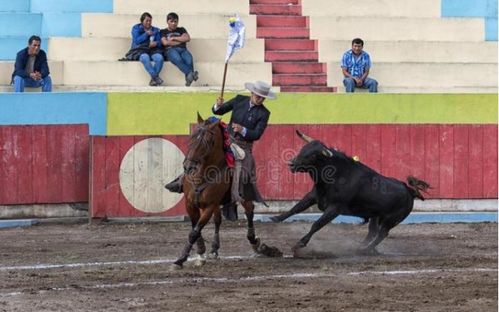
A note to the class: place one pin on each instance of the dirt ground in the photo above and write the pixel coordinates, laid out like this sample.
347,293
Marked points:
128,267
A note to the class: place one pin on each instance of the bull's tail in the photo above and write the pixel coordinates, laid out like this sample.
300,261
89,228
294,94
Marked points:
416,186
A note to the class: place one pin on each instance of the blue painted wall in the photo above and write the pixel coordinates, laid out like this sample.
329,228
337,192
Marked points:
20,24
9,46
57,24
55,108
14,5
474,8
104,6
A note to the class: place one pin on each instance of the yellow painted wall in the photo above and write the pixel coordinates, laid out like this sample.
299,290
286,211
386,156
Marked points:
171,113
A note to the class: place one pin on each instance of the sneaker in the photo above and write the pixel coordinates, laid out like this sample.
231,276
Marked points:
189,79
159,81
153,83
195,75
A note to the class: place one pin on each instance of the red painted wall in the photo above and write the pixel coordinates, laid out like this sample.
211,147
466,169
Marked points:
50,163
43,164
106,198
459,161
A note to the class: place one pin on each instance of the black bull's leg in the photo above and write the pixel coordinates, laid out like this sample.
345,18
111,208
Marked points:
307,201
329,214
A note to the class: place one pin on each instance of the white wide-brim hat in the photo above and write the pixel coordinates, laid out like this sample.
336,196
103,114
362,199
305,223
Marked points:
260,88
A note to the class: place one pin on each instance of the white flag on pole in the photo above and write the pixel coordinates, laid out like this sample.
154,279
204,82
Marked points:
236,36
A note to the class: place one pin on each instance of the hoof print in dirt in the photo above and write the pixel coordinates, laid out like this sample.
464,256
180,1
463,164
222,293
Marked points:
269,251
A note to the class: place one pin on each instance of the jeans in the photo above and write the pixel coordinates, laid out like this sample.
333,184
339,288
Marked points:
369,83
182,58
147,60
20,83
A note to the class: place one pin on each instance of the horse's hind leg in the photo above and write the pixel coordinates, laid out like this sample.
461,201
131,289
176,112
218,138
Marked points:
215,245
256,244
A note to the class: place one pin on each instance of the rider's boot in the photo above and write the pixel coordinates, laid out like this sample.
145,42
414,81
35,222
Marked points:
175,186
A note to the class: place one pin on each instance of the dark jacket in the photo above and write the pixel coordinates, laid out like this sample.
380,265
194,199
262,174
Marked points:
254,120
22,57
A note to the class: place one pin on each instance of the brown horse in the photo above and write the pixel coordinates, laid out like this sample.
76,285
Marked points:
206,185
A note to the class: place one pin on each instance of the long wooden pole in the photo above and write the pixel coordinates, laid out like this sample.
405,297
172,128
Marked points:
223,81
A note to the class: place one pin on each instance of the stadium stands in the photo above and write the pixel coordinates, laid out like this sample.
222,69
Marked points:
416,45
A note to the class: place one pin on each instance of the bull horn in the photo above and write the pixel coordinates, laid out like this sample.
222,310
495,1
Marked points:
200,119
305,137
327,153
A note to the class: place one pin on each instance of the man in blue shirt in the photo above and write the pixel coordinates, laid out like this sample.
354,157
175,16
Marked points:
31,68
146,35
355,65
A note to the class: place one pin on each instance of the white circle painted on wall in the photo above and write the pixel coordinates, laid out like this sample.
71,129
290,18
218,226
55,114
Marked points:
144,171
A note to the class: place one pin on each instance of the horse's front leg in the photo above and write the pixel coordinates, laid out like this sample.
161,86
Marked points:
194,235
256,244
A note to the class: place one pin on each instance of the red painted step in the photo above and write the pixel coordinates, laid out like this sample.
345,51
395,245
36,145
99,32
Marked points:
298,68
281,21
300,56
290,44
299,79
282,2
271,9
307,89
283,33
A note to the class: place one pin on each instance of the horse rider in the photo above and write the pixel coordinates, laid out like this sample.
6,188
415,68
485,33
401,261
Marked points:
247,123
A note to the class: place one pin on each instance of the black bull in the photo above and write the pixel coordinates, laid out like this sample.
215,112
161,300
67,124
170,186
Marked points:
343,186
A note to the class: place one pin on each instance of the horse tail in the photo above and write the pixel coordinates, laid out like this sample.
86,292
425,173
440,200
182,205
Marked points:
417,186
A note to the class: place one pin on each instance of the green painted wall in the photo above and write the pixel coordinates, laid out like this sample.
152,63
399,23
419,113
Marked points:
171,113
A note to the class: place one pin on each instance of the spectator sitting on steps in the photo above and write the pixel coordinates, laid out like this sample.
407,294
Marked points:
355,65
144,34
31,68
175,39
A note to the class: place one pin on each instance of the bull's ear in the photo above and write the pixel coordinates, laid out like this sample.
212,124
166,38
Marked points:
304,137
326,152
200,119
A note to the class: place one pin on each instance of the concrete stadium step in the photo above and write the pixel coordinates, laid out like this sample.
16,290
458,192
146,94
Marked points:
436,76
9,46
298,68
299,89
112,49
163,7
18,6
425,89
283,32
275,9
283,56
393,28
414,51
299,79
198,26
20,24
369,8
281,21
281,2
78,73
55,67
290,44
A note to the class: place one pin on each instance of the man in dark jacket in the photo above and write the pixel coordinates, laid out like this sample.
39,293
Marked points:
247,124
31,68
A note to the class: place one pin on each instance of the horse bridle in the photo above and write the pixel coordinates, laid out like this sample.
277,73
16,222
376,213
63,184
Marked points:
190,164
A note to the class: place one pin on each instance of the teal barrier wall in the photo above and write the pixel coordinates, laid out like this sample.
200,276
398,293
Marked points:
474,8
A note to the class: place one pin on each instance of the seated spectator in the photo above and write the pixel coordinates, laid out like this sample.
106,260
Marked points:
175,39
355,65
31,68
146,35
